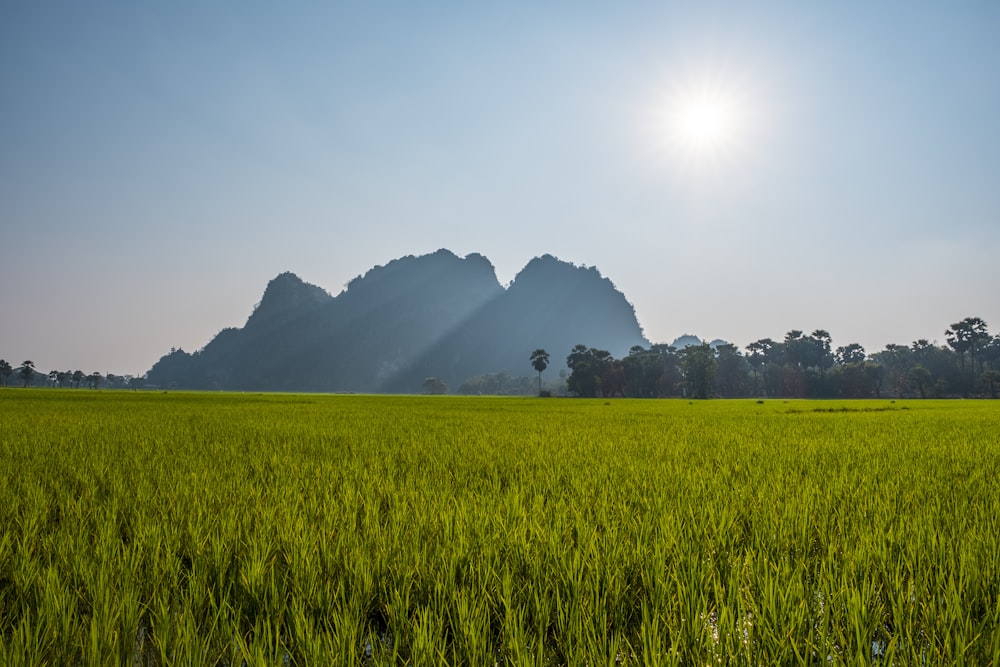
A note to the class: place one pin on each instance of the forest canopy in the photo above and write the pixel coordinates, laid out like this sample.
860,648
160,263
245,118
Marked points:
797,366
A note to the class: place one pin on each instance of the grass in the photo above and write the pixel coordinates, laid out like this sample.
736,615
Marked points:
223,529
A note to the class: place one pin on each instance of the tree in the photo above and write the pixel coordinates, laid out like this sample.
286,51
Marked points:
991,353
854,380
27,371
876,374
698,364
795,352
77,378
818,359
539,361
968,336
5,371
992,379
594,372
759,355
732,371
670,376
609,381
435,386
794,349
941,361
499,384
585,371
94,380
820,355
612,377
644,370
919,378
850,354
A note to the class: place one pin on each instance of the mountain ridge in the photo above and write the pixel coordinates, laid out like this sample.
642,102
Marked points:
437,315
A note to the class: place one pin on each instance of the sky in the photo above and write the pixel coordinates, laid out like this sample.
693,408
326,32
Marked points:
737,169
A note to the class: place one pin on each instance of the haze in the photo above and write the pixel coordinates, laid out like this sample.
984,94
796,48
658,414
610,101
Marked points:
160,164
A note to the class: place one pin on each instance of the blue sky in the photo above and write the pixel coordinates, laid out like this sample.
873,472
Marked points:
160,162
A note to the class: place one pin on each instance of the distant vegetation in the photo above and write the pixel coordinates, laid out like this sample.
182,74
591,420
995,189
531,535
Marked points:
798,366
29,376
439,323
225,529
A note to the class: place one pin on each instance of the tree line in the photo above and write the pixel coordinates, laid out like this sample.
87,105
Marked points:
28,375
798,366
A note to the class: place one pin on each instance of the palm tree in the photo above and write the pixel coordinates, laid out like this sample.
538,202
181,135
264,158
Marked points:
759,354
27,371
969,335
992,378
698,363
919,377
539,361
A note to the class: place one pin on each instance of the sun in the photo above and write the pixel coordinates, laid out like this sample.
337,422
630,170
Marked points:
702,123
706,123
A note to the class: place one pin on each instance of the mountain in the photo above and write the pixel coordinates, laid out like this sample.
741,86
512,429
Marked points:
688,340
684,341
551,305
416,317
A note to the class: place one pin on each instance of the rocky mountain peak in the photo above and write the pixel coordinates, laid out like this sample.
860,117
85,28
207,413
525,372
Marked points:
287,293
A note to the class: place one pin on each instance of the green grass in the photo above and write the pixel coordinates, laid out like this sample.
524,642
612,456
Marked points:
196,528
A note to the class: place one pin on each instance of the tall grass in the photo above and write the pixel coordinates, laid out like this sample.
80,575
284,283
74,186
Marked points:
223,529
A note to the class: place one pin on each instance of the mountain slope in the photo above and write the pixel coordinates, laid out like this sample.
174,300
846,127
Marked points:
433,315
550,304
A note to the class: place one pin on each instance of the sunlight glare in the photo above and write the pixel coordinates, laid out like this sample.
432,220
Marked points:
703,123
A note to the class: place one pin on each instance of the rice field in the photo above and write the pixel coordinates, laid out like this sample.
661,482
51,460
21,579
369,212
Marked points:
230,529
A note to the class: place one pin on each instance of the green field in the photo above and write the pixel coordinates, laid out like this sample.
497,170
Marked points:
209,529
